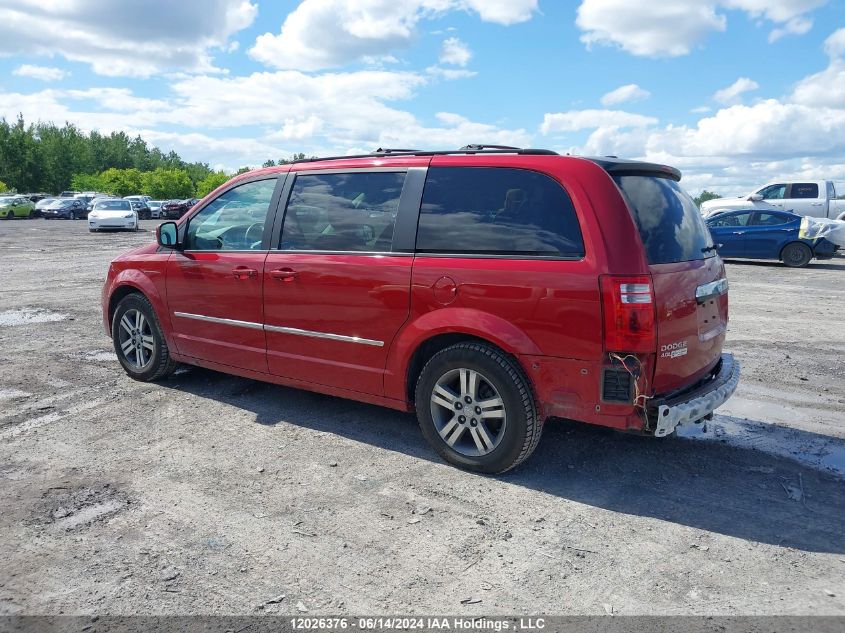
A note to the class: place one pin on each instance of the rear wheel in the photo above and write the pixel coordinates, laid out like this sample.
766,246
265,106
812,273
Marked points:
138,340
796,255
475,407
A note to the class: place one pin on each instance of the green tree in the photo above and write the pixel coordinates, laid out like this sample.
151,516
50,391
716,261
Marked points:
3,186
86,182
210,183
167,183
704,196
122,182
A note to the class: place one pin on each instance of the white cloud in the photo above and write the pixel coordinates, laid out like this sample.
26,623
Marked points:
450,73
795,26
44,73
576,120
129,38
629,92
455,52
322,34
826,88
733,93
675,27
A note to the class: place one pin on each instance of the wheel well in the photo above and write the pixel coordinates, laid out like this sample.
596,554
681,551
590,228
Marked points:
118,296
429,348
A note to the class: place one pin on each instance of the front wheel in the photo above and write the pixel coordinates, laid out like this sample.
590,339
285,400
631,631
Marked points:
9,214
73,215
796,255
138,340
476,408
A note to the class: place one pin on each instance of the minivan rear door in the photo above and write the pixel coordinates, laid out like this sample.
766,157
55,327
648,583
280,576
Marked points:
690,297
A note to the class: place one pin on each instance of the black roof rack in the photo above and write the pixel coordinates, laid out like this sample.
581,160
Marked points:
467,149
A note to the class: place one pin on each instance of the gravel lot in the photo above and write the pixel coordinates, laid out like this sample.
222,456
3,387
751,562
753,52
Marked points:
213,494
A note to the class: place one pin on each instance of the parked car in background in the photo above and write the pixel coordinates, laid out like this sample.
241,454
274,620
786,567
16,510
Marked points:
816,198
488,290
65,208
113,213
174,209
155,208
144,199
754,234
16,206
103,196
68,194
41,205
141,208
37,197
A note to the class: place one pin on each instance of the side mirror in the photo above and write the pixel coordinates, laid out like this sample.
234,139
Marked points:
167,235
755,197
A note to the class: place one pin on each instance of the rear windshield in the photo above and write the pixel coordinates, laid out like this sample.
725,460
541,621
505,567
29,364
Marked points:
669,222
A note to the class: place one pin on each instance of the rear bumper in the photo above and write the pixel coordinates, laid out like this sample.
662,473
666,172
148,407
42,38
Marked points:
667,412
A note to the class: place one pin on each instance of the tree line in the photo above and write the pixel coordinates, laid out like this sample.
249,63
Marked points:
44,157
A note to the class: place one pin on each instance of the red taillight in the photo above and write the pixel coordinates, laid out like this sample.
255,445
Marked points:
628,305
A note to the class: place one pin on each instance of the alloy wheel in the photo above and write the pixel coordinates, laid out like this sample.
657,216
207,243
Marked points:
468,412
136,339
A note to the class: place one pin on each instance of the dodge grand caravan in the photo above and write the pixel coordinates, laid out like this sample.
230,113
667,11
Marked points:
488,289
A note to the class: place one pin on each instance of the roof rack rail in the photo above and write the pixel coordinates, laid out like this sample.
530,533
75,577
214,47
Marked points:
474,147
388,150
482,149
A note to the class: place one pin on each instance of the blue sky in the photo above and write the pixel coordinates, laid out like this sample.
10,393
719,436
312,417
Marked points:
734,92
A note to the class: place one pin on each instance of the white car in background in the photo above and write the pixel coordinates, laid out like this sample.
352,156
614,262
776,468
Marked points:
155,208
113,214
814,198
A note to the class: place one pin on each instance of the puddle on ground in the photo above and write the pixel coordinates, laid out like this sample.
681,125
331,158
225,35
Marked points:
810,449
27,316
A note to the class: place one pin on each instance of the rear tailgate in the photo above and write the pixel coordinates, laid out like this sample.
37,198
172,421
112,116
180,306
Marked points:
683,263
690,330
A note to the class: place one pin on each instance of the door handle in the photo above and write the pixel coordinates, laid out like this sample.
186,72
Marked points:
815,204
739,232
242,272
283,274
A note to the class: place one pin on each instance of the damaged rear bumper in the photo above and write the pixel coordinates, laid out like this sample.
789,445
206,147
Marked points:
665,413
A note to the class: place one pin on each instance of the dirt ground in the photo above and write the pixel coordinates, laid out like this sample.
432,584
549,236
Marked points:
212,494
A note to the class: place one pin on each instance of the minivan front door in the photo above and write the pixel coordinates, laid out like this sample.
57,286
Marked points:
214,284
335,291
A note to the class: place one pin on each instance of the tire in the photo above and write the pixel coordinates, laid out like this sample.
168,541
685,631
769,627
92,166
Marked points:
511,431
154,363
796,255
10,215
72,215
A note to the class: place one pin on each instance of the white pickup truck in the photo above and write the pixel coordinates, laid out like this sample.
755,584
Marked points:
816,198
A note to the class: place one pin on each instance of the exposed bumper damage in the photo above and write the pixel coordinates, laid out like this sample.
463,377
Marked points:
668,412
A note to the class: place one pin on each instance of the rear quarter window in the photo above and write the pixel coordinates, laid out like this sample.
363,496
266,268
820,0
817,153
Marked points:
497,211
668,220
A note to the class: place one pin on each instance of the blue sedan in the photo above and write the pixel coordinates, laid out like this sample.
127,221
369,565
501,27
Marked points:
755,234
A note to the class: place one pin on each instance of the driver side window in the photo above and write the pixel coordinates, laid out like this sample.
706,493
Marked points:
774,192
234,221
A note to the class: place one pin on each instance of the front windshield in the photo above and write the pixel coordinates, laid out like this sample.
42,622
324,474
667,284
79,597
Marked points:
113,205
6,199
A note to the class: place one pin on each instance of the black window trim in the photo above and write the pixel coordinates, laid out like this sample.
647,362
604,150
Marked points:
516,256
268,224
409,204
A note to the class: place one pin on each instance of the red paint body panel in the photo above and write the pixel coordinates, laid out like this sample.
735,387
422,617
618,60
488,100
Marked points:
206,284
364,296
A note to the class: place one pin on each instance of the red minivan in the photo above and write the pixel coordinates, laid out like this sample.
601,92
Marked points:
489,289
